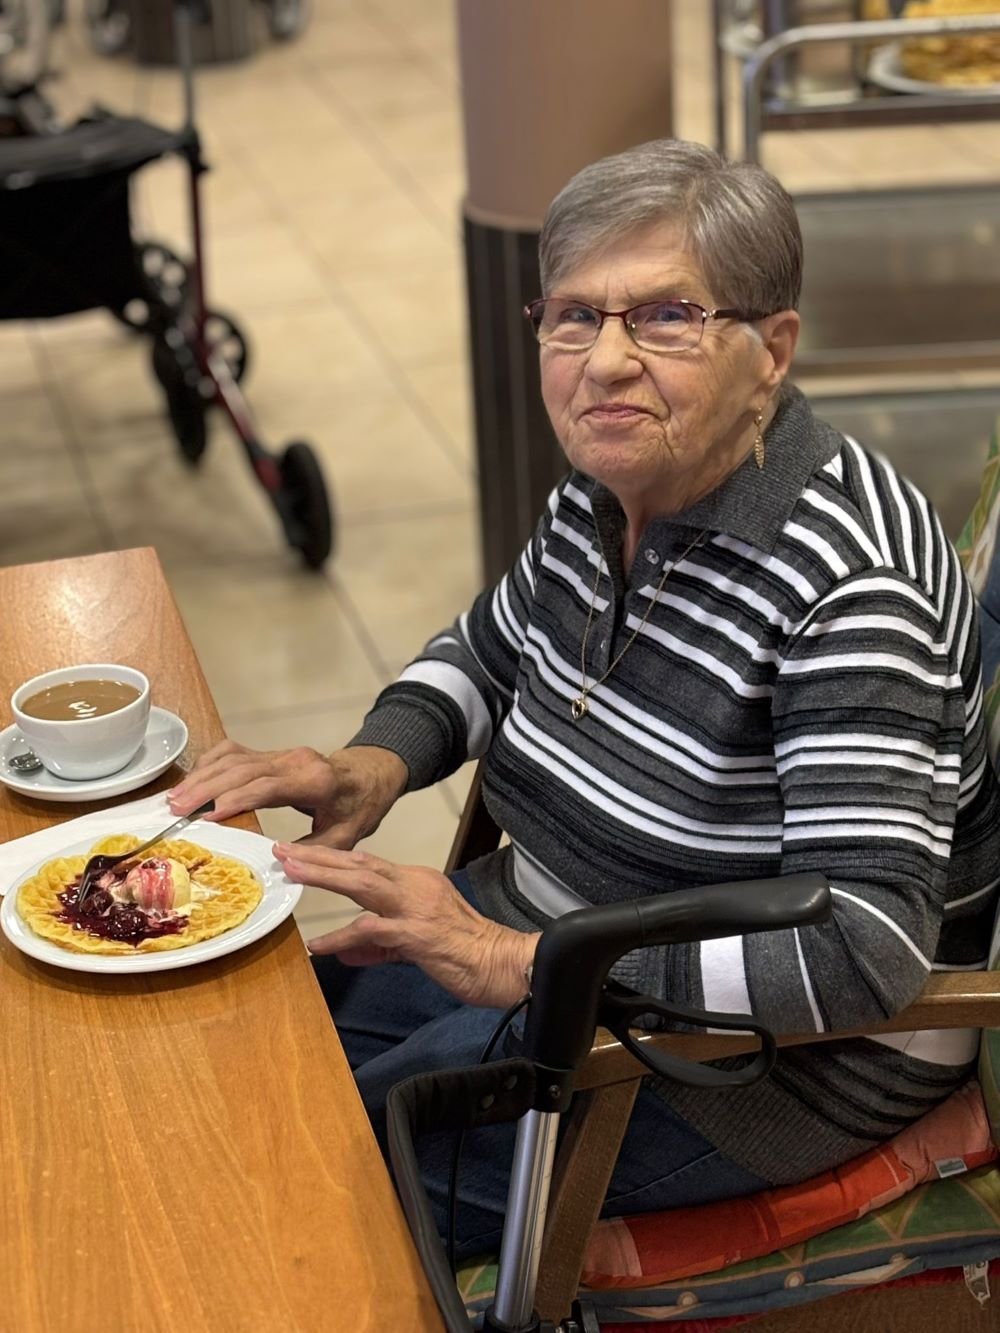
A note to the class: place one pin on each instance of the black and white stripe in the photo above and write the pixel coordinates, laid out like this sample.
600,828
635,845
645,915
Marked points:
804,694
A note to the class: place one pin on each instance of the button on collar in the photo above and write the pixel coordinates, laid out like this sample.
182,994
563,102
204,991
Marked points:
651,555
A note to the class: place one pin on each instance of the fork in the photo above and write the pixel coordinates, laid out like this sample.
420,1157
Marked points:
97,865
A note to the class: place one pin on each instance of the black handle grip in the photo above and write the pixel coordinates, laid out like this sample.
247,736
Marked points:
576,950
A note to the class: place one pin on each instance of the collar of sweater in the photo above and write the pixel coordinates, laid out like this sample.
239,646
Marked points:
752,504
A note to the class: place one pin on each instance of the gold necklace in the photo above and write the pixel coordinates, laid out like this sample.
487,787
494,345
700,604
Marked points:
579,706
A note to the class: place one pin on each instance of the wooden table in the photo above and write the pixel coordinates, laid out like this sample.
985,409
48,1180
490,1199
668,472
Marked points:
184,1150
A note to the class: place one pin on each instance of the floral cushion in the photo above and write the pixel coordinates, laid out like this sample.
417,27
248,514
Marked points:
943,1224
659,1247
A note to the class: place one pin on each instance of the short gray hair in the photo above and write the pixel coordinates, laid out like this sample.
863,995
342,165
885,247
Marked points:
735,217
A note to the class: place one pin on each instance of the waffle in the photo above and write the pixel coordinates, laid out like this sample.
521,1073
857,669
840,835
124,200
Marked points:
233,892
957,62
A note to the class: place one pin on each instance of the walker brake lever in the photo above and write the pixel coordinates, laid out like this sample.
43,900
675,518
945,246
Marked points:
619,1008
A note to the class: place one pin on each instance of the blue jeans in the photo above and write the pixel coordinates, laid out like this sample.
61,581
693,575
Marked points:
394,1021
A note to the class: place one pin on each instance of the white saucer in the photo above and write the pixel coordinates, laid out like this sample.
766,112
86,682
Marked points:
165,738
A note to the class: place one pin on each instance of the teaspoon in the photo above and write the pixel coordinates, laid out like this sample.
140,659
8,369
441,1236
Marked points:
25,762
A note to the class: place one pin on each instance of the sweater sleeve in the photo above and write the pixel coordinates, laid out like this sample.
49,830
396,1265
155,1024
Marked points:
869,717
447,705
879,748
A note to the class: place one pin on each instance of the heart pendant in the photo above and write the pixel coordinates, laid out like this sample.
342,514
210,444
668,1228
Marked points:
578,707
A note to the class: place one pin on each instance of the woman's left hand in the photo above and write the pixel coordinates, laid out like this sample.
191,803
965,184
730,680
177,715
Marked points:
414,914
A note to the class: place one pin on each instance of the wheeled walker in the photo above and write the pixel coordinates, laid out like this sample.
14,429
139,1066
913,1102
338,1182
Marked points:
66,238
570,997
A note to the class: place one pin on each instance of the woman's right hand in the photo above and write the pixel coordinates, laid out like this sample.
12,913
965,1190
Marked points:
347,793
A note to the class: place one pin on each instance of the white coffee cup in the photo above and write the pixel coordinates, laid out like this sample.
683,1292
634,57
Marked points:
85,747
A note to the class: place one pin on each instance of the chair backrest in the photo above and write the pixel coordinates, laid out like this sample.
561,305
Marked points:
979,548
980,553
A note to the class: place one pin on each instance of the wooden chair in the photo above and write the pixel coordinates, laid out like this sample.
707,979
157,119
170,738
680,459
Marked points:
608,1085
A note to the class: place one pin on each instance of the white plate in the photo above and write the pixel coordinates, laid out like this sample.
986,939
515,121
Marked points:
254,850
886,70
165,738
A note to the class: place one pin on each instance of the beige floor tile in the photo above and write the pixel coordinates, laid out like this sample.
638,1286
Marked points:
68,329
115,87
445,391
262,269
981,141
346,41
103,377
151,496
428,138
271,636
153,93
54,528
304,166
881,158
19,369
432,15
381,232
439,44
431,302
807,162
336,9
410,578
231,201
241,110
390,90
326,725
380,455
29,424
35,462
445,188
305,354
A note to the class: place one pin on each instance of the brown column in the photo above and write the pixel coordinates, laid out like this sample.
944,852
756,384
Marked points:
548,86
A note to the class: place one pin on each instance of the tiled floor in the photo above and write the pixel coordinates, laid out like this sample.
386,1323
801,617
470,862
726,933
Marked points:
333,221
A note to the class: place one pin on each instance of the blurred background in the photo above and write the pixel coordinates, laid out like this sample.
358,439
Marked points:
356,158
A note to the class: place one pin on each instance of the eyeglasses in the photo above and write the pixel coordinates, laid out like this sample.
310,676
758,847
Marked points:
673,325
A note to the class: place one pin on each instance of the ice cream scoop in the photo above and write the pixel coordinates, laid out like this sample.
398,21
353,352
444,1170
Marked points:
158,884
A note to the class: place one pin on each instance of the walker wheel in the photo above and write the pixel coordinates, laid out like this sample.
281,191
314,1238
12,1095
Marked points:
165,279
185,404
308,520
165,270
109,25
223,334
287,18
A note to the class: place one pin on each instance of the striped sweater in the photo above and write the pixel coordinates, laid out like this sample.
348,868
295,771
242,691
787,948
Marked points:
805,694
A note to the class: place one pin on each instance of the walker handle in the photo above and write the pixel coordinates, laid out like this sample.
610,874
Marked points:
577,949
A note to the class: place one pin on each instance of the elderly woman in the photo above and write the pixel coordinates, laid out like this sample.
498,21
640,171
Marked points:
737,645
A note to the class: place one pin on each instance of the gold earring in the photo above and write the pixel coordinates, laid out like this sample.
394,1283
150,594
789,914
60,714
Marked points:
758,444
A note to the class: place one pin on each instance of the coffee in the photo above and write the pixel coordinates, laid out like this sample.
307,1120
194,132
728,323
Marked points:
79,699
